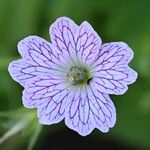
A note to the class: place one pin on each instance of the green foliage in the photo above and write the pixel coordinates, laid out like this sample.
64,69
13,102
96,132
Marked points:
124,20
20,120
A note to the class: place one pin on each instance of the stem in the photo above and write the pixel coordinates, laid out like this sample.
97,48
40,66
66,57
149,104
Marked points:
15,129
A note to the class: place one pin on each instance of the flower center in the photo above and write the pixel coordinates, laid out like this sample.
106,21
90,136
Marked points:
79,75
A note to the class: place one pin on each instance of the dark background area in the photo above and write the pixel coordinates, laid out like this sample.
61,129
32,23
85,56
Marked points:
113,20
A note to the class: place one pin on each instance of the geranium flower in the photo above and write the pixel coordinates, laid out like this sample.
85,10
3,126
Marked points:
71,77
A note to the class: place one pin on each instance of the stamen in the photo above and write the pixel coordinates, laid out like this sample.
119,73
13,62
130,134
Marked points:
78,75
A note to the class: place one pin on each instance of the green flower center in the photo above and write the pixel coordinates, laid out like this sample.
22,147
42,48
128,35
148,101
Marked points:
79,75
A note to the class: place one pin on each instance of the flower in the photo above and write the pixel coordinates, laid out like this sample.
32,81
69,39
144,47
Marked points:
71,77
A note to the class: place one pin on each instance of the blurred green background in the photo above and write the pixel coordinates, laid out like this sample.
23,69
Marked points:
114,20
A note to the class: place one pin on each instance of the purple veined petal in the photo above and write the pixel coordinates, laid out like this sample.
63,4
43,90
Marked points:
111,71
88,43
49,95
39,52
38,59
21,71
77,114
87,110
35,50
102,109
73,41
